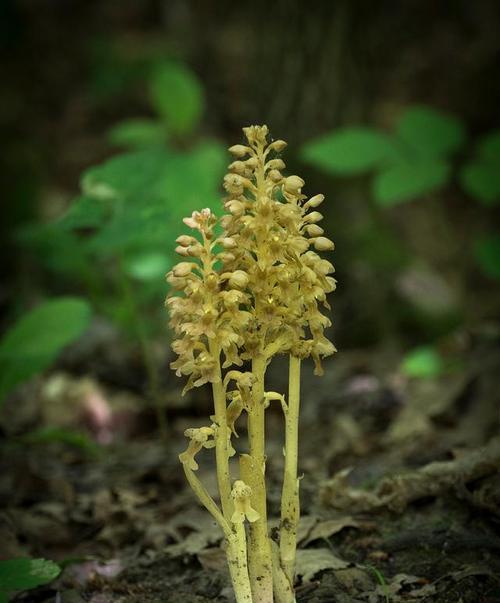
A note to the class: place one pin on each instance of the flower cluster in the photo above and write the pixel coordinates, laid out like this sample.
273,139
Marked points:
256,288
207,317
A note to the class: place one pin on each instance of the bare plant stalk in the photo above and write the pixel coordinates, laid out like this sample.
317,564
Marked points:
259,551
221,440
290,503
238,565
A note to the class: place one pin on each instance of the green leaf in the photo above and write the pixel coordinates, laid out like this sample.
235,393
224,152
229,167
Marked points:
84,212
350,151
487,254
482,181
178,96
429,132
489,147
422,362
137,133
148,266
36,340
126,176
24,573
405,181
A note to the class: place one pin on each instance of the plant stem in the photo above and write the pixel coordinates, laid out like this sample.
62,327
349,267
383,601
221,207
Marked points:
290,504
238,566
207,501
253,473
221,438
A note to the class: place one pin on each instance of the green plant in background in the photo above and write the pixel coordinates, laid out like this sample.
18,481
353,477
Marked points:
24,573
118,236
425,152
412,161
35,341
416,159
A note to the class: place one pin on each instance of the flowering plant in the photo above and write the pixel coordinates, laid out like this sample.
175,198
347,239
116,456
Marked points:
245,295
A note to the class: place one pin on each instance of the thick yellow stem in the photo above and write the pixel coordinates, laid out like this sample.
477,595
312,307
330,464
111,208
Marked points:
238,568
252,469
290,504
221,440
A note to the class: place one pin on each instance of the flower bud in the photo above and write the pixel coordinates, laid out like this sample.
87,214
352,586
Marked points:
313,230
185,240
275,164
239,150
184,251
233,183
332,283
238,279
252,163
235,207
226,257
293,184
183,268
195,250
275,175
237,166
323,244
315,201
324,267
278,146
228,243
313,217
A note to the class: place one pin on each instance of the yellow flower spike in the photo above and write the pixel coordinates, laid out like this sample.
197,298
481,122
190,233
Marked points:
242,508
250,293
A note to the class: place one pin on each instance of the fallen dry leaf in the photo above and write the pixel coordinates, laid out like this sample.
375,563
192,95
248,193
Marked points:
312,561
329,527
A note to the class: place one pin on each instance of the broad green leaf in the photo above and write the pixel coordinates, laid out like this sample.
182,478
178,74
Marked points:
148,266
134,175
350,150
405,181
138,133
489,147
422,362
482,181
177,96
24,573
35,341
193,179
487,254
84,212
429,132
152,190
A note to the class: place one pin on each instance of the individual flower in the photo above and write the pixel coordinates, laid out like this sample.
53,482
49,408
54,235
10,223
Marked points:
241,494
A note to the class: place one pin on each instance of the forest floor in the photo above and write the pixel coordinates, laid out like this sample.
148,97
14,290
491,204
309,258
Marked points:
400,489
